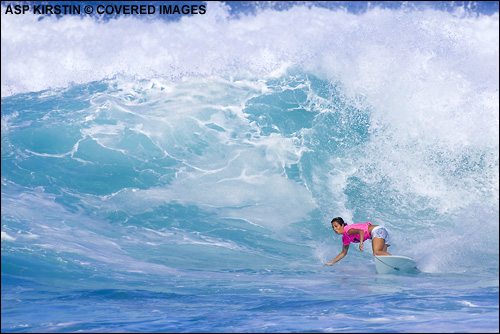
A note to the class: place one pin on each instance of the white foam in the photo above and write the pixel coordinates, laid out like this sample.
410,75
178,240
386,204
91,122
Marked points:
366,51
6,237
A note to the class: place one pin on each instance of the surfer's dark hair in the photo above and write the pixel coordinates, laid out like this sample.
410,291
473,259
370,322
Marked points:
338,220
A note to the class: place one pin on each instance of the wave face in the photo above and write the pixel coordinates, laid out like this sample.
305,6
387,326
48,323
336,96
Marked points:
137,149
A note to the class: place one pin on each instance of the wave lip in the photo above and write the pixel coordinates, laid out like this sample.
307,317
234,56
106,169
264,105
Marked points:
61,51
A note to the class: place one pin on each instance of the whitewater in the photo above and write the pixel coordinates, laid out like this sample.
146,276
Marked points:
179,174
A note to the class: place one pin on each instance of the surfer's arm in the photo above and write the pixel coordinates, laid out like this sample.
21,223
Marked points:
361,236
339,257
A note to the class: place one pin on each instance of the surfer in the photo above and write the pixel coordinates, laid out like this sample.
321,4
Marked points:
357,233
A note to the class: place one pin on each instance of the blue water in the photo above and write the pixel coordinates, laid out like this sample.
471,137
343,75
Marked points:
179,174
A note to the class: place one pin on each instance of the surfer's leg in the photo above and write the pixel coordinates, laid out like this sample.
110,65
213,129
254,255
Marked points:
379,246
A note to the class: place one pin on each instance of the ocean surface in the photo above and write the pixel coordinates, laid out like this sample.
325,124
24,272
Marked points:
178,173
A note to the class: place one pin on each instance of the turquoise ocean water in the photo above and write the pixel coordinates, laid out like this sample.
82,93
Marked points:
179,174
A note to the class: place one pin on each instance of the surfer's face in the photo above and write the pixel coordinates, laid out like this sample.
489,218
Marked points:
339,229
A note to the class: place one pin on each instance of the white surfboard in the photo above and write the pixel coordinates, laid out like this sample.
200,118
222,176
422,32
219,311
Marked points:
393,264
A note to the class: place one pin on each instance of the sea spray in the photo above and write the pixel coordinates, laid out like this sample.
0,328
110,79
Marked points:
193,165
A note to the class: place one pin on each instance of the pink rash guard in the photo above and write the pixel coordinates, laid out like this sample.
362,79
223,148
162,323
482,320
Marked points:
347,239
